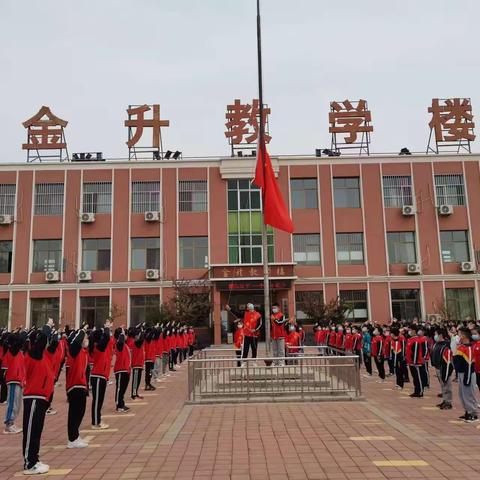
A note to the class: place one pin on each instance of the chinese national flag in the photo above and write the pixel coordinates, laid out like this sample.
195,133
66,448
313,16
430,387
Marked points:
275,212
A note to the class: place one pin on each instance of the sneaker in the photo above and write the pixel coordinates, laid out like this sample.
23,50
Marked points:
123,409
469,418
100,426
78,443
462,417
439,395
380,381
110,382
416,395
38,469
446,406
149,388
367,375
51,411
398,387
440,405
12,430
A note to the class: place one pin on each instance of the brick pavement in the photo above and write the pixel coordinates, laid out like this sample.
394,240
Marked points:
389,436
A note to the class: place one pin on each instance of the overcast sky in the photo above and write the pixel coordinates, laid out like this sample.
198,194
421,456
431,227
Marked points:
89,59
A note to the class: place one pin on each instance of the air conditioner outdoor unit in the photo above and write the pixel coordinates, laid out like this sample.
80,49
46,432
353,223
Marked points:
434,317
408,210
87,217
467,267
6,219
445,209
85,276
153,216
413,268
152,274
52,276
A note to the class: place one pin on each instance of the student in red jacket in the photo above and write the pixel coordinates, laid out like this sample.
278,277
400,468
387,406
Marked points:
377,352
3,350
136,343
252,324
98,348
14,368
476,353
191,341
292,342
39,382
415,356
54,354
238,337
122,369
76,385
149,358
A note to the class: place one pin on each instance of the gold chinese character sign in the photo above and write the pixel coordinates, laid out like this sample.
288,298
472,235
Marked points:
451,124
348,121
243,121
45,131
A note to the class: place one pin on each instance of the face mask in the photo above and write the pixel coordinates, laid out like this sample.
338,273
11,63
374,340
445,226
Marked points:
85,344
250,307
348,330
340,329
375,332
364,329
291,329
475,337
240,325
275,310
435,337
354,331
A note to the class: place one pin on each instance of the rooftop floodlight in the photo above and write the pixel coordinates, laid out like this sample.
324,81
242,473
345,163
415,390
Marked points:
318,152
404,151
88,156
156,155
254,153
76,157
168,154
240,154
330,153
176,155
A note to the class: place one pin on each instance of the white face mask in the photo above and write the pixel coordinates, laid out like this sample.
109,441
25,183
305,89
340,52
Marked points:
85,344
291,329
275,310
250,306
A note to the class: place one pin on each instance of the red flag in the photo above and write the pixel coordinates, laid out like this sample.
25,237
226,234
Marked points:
275,212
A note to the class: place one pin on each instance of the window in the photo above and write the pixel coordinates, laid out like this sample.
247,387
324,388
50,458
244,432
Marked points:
401,247
97,197
145,197
5,256
449,189
455,246
144,308
350,248
94,311
193,252
397,191
192,196
356,300
42,309
302,299
304,192
145,253
4,312
245,224
406,304
346,192
460,303
306,249
7,199
96,254
49,199
47,255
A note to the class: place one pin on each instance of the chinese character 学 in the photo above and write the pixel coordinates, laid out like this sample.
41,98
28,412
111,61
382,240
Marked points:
346,117
140,122
45,131
242,122
452,119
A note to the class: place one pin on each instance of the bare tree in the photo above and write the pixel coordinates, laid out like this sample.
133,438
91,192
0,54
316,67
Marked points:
191,303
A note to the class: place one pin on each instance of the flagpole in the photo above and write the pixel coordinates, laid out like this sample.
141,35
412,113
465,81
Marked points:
261,135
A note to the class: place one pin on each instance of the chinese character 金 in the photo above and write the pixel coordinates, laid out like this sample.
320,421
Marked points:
242,122
452,120
45,131
226,272
140,122
349,119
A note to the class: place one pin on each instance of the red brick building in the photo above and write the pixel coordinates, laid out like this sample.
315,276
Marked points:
393,235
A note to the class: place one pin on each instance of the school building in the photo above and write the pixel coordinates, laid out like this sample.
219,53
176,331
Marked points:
394,235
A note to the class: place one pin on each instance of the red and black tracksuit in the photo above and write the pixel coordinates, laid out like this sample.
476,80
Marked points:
377,353
397,353
122,369
101,357
138,360
415,356
39,382
238,338
76,383
149,358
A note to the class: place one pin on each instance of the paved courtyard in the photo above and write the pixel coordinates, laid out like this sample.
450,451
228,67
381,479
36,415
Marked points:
387,436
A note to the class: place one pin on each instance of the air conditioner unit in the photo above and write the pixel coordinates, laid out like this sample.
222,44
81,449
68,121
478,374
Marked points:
6,219
152,274
85,276
413,268
445,209
467,267
52,276
408,210
434,317
87,217
153,216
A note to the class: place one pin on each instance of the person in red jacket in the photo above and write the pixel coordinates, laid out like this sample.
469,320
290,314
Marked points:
54,353
387,351
149,358
3,350
39,382
122,369
357,343
332,340
277,333
340,339
252,323
98,348
136,344
293,342
415,356
191,341
76,386
377,352
397,354
476,353
238,338
14,368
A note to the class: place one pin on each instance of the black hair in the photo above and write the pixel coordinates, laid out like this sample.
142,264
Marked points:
466,332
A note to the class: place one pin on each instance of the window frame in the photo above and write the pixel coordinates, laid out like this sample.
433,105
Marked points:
300,240
197,262
151,200
104,193
148,252
191,188
96,308
4,312
442,193
8,254
51,308
300,197
8,192
338,189
144,309
455,303
402,188
453,244
353,302
51,252
49,202
405,303
349,244
397,245
85,267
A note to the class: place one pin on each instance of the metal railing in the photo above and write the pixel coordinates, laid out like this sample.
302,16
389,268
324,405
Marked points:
219,376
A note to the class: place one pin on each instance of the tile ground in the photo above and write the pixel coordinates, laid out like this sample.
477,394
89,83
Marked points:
389,436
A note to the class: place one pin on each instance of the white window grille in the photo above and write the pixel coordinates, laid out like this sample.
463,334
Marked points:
450,189
7,199
192,195
350,248
306,249
145,197
97,197
397,190
49,199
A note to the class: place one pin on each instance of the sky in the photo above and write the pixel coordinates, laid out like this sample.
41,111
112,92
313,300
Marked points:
89,59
